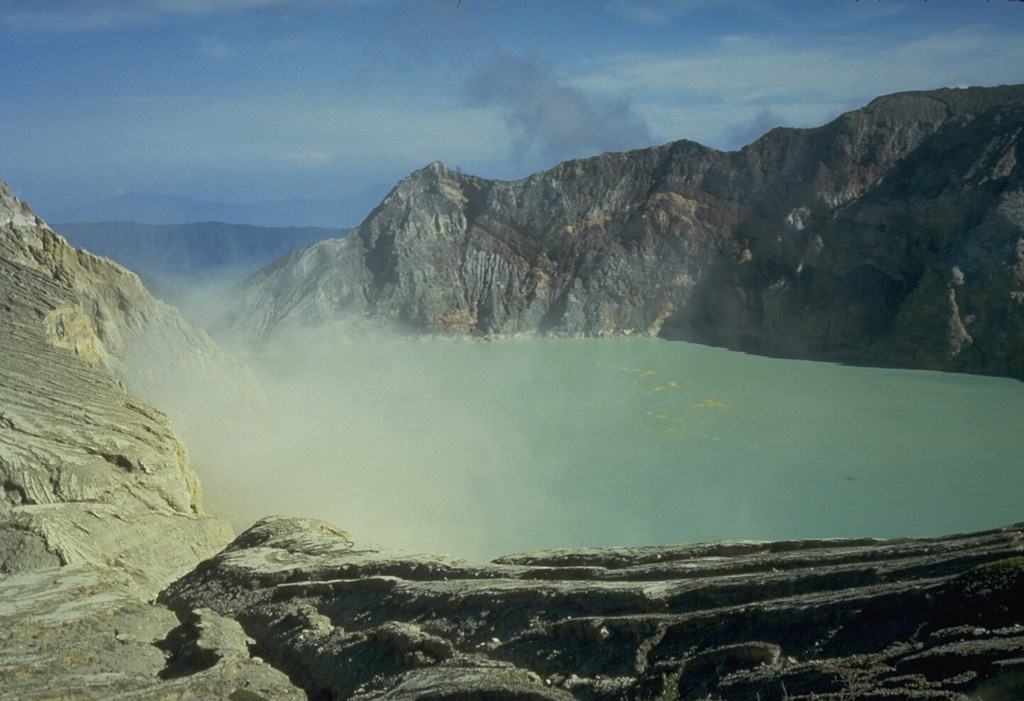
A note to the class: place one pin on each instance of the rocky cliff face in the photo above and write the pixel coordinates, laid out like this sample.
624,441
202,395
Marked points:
99,508
90,473
922,269
108,319
114,583
832,242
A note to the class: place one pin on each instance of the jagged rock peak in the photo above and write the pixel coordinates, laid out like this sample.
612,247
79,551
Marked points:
435,167
14,212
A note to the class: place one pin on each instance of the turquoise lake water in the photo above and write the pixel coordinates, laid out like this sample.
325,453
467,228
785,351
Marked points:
486,448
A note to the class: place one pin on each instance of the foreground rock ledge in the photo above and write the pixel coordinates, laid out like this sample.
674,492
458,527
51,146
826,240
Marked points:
932,618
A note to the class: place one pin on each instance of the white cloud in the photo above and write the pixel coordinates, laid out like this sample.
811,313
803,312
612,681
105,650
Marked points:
185,132
89,15
548,118
650,11
244,148
707,96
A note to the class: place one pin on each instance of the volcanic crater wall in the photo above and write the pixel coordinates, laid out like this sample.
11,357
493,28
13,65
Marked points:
888,235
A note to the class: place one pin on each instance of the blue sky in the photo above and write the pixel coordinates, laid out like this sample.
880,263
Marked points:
254,100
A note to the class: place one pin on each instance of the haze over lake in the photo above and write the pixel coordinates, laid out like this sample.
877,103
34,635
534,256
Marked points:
486,448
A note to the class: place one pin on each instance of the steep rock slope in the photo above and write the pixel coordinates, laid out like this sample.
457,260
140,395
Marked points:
109,319
925,269
834,619
694,243
90,473
99,508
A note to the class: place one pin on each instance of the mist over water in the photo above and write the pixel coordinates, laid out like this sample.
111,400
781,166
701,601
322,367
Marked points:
486,448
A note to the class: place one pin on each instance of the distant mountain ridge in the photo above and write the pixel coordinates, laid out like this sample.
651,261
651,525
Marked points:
191,250
893,234
162,208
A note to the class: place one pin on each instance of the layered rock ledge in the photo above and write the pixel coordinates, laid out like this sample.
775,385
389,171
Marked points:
829,619
89,472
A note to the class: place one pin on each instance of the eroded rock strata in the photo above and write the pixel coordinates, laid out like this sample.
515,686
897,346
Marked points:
893,234
90,632
90,473
832,619
99,509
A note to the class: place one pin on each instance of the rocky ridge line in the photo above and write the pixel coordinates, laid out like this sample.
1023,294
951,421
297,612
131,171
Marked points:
99,511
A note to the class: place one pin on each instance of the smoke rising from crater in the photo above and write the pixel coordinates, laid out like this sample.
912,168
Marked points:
549,118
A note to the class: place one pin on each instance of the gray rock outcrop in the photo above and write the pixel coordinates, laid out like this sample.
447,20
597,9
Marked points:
90,632
888,235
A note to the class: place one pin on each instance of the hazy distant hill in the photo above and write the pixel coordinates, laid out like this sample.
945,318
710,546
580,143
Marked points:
196,250
159,208
894,234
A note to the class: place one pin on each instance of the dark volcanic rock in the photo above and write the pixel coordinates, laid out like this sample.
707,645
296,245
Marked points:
918,271
89,632
890,234
832,619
